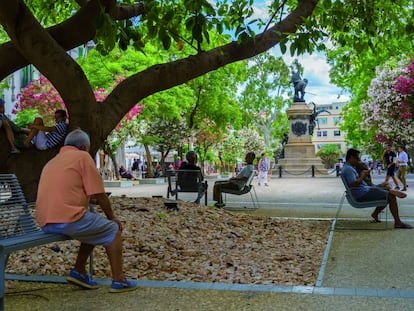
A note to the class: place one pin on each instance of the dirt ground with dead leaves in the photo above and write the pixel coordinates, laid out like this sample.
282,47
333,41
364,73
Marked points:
196,243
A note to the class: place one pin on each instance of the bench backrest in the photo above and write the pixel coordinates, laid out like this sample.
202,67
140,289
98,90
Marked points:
15,216
188,180
358,204
250,178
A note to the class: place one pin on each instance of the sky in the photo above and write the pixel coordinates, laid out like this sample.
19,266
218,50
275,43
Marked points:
316,69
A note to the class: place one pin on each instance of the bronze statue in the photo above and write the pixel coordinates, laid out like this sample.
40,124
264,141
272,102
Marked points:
313,116
299,85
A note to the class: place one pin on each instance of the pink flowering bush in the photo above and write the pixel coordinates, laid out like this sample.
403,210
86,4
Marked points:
42,96
135,111
389,111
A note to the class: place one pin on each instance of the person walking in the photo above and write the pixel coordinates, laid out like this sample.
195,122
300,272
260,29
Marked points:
390,159
402,166
264,167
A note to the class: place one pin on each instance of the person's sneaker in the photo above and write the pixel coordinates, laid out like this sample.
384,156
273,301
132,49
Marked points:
397,188
219,205
81,280
120,287
14,150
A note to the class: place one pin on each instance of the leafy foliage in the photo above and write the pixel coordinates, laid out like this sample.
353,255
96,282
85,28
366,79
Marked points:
252,141
26,117
389,112
264,96
362,36
329,154
231,149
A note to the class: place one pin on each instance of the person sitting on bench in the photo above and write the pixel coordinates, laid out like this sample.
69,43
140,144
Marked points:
237,182
362,192
191,180
67,184
125,174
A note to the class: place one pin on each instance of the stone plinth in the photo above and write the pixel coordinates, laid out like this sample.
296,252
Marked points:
300,151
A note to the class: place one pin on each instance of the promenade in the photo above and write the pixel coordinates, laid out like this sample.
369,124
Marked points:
361,270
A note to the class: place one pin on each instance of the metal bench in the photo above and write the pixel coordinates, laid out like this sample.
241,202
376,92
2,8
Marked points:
357,204
185,181
248,187
18,230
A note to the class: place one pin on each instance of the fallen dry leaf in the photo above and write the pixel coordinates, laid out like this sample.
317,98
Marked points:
196,243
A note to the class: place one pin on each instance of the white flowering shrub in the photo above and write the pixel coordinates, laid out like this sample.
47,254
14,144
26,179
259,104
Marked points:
390,108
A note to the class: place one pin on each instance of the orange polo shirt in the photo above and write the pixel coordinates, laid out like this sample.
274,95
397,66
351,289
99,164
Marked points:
65,185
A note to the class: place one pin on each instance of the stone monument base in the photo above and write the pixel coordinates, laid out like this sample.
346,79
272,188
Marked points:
298,161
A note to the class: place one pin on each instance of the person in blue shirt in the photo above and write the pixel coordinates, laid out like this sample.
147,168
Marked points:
362,192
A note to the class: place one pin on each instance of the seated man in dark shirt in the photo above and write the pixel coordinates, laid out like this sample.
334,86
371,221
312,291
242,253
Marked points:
190,181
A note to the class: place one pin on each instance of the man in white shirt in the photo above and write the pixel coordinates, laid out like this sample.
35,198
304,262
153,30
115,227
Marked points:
237,182
402,166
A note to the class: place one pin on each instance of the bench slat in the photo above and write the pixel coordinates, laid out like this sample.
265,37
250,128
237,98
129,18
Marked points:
18,230
8,246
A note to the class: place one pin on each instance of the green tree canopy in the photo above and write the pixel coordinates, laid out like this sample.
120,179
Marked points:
40,32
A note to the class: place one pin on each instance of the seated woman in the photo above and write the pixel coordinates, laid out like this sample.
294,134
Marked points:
125,174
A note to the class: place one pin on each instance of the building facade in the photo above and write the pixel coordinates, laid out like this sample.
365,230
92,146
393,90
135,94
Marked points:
327,130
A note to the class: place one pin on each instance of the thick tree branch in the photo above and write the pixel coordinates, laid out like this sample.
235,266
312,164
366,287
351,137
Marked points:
164,76
39,48
77,30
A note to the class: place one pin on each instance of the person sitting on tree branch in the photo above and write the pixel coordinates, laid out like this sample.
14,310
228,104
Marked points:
47,137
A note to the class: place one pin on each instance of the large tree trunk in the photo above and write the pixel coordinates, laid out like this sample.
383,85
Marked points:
149,161
46,50
27,165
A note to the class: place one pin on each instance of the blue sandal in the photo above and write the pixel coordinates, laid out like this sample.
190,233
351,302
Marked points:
81,280
120,287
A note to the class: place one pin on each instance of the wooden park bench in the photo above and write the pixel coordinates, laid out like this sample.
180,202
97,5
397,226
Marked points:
18,230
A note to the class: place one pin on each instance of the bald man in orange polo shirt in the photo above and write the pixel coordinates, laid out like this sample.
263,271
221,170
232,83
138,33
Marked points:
66,184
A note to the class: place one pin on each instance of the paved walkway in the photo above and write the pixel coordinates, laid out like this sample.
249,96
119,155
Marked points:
362,269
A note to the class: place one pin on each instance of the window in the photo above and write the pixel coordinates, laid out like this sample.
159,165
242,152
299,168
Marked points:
324,133
337,133
336,120
323,121
318,133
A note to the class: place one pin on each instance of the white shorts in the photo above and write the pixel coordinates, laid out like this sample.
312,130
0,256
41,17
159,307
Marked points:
40,140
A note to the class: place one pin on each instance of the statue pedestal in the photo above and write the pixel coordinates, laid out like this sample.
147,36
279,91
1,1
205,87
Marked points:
300,151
